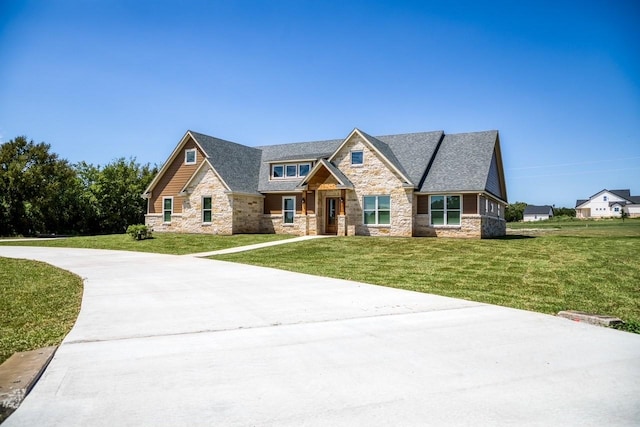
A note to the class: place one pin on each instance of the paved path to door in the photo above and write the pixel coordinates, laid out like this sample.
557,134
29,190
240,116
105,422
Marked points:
181,341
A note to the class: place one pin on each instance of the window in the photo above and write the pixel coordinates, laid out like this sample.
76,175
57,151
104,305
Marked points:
292,171
303,169
605,198
278,171
167,209
288,209
357,158
377,210
190,156
445,210
206,209
616,209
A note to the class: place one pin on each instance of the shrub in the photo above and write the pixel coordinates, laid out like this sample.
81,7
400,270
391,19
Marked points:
139,232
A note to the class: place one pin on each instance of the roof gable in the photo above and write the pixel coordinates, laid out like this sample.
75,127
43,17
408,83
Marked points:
237,165
467,162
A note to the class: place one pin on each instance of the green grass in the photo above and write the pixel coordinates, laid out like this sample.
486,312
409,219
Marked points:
594,269
163,243
38,305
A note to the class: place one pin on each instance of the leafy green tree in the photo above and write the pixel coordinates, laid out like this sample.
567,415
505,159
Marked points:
569,212
514,211
38,191
112,194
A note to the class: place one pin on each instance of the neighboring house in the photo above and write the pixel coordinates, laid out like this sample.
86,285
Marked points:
608,204
537,213
420,184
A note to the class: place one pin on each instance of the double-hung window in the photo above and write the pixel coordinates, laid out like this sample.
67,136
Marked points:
288,209
167,209
445,210
206,209
377,210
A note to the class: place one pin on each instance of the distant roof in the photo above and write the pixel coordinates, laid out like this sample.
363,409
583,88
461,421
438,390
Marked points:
538,210
625,194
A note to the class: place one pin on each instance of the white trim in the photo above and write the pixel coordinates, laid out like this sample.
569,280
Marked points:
284,166
373,148
164,210
293,218
186,156
193,176
172,157
202,209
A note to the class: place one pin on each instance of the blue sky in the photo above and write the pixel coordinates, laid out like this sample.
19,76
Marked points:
560,80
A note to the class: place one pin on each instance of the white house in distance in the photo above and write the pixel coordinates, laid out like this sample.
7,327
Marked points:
609,204
537,213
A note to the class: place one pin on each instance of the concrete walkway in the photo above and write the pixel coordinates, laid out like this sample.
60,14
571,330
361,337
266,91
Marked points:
180,341
256,246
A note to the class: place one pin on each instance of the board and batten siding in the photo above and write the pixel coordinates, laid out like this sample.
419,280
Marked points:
174,179
493,180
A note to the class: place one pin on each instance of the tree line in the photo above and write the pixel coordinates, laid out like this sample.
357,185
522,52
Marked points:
515,212
41,193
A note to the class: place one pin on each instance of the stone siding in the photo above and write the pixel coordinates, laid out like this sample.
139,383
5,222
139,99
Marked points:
471,226
374,178
272,223
247,213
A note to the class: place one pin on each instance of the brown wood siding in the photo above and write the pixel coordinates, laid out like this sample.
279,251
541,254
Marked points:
273,203
311,202
469,203
174,179
423,205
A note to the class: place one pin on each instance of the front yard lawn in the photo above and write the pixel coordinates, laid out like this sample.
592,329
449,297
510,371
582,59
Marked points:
38,305
162,243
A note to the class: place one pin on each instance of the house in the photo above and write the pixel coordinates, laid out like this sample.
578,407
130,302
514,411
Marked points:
537,213
608,204
418,184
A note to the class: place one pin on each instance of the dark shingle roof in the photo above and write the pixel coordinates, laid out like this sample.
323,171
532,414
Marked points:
538,210
625,194
237,164
459,162
581,201
462,163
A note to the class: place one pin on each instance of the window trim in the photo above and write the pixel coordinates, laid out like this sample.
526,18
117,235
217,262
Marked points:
308,164
164,210
210,210
351,158
285,166
284,211
186,155
376,210
445,211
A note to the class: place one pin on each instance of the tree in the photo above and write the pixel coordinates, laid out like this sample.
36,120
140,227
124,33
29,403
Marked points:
37,190
112,194
564,212
514,211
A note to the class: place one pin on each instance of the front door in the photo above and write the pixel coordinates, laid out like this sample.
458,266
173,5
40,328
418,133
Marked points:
331,224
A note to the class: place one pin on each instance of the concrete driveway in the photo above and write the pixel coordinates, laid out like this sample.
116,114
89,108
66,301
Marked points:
179,341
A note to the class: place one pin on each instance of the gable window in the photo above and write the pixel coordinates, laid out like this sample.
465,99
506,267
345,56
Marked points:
377,210
605,198
303,169
190,156
288,209
167,209
357,158
206,209
445,210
